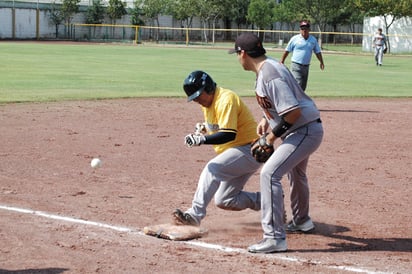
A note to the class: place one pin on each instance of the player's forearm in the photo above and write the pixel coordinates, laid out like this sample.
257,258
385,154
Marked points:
262,126
220,138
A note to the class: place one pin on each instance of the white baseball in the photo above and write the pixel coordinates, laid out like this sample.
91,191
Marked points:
96,162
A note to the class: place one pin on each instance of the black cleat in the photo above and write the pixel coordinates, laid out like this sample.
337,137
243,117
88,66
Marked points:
182,218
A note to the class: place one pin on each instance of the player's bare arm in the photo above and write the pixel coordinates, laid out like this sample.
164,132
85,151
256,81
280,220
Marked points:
262,127
292,116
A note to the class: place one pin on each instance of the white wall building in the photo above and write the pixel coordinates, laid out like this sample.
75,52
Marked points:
400,33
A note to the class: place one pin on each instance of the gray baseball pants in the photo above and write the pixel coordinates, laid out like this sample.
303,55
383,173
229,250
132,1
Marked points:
379,54
290,157
224,178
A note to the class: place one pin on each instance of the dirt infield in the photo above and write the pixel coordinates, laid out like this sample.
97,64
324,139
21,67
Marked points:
58,215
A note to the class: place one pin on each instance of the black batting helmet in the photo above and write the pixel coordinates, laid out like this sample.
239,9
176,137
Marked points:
197,82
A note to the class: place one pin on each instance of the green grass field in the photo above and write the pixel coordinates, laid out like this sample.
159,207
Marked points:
32,71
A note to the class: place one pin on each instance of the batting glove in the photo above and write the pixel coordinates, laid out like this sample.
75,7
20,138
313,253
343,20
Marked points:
200,128
194,140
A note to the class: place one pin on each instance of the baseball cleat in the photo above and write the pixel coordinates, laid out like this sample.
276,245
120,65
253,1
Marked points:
305,227
183,218
268,245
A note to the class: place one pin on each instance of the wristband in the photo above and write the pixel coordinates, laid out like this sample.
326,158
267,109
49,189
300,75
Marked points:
281,128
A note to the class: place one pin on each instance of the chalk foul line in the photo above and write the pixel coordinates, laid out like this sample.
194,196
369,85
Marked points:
193,243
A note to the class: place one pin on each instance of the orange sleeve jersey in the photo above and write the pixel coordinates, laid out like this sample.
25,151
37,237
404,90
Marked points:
228,113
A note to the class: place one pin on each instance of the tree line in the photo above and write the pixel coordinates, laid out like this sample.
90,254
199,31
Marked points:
258,14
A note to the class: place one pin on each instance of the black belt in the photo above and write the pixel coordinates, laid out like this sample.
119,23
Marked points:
301,64
314,121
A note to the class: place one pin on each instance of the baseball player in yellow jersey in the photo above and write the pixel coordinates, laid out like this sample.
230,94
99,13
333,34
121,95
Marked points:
230,127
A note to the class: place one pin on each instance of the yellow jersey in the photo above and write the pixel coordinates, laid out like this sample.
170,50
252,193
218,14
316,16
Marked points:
228,113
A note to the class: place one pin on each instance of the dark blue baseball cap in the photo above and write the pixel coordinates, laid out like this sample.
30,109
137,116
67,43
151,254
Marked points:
250,43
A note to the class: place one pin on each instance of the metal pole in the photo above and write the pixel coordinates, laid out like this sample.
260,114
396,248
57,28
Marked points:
37,21
13,22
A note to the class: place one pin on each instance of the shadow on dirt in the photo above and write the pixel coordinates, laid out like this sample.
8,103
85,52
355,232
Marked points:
345,243
34,271
347,110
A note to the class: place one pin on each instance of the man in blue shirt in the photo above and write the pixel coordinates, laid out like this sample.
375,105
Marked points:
302,45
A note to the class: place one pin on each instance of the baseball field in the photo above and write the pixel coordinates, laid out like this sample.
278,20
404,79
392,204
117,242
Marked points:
64,104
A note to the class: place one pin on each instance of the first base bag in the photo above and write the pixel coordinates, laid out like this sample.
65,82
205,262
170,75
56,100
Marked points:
175,232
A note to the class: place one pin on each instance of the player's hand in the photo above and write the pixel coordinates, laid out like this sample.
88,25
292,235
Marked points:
200,128
194,140
262,127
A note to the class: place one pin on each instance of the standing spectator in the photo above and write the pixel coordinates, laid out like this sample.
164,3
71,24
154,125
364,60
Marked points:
302,45
291,116
379,44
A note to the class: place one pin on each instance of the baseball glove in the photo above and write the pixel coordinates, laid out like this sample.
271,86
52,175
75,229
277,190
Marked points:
385,50
261,150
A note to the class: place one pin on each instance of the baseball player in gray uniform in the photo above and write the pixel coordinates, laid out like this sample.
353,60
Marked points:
292,116
379,44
